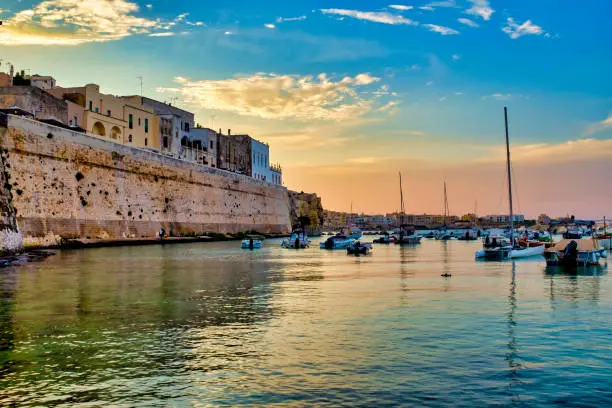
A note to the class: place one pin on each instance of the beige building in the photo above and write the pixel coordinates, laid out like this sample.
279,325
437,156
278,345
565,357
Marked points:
122,119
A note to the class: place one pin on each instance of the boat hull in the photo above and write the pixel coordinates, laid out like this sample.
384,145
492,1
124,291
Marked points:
336,244
410,240
254,244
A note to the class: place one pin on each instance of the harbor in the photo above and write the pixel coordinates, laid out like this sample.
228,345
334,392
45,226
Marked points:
213,324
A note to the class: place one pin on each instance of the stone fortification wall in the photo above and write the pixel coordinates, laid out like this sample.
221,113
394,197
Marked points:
10,238
67,185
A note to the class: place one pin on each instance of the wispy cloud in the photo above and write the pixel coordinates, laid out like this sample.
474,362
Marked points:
367,160
442,99
515,30
456,57
501,97
73,22
444,3
164,34
598,127
427,8
401,7
441,29
468,22
270,96
382,17
429,83
289,19
269,26
480,8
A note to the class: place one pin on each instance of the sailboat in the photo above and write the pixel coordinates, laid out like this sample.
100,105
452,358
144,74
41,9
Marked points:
407,234
503,249
445,235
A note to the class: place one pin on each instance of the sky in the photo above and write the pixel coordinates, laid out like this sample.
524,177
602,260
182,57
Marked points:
349,93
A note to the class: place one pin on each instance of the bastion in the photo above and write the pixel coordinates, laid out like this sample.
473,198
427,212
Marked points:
60,185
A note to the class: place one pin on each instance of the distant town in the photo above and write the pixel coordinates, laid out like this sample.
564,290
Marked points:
136,121
333,220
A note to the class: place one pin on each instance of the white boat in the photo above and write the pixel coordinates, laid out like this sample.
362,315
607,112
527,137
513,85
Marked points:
252,243
337,242
297,240
509,252
605,242
500,248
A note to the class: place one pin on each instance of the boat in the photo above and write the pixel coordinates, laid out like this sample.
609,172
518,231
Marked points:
253,242
385,239
444,234
469,235
357,248
605,239
499,248
575,252
297,240
573,232
407,234
338,241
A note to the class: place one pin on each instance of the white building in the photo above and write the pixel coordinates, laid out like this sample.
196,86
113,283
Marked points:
205,139
504,219
260,159
42,82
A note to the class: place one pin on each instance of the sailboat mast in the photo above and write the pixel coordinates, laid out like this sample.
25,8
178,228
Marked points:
445,204
509,175
402,209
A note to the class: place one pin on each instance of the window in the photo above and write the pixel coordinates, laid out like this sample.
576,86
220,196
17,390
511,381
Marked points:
131,122
146,141
165,142
212,144
90,106
97,110
146,125
75,121
108,113
139,124
130,138
186,126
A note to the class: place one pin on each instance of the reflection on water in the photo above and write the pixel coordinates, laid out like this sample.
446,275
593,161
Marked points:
210,324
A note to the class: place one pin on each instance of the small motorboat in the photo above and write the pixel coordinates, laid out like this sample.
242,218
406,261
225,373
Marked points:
338,241
573,233
501,249
469,235
252,243
445,235
575,252
357,248
408,236
297,240
385,239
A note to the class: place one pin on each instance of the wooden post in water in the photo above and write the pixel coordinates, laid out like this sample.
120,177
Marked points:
509,176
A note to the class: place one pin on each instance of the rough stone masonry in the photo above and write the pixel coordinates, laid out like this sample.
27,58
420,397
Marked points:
59,185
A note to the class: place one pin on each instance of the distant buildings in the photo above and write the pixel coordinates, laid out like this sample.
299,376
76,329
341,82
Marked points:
504,219
136,121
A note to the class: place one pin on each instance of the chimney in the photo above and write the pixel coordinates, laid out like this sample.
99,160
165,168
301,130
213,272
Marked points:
229,132
12,74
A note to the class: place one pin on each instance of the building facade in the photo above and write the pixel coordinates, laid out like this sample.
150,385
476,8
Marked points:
39,103
205,140
234,153
42,82
173,128
122,119
260,157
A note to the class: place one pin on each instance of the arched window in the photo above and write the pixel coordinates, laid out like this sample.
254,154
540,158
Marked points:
146,141
130,138
98,129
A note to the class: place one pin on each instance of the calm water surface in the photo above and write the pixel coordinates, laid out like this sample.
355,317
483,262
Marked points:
210,324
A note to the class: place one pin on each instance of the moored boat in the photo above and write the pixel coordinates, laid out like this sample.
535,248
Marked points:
297,240
385,239
575,252
252,243
338,241
357,248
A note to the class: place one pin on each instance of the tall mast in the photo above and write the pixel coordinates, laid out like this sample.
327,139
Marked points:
402,209
445,204
509,175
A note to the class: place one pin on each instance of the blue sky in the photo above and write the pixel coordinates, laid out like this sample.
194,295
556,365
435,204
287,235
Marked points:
405,84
